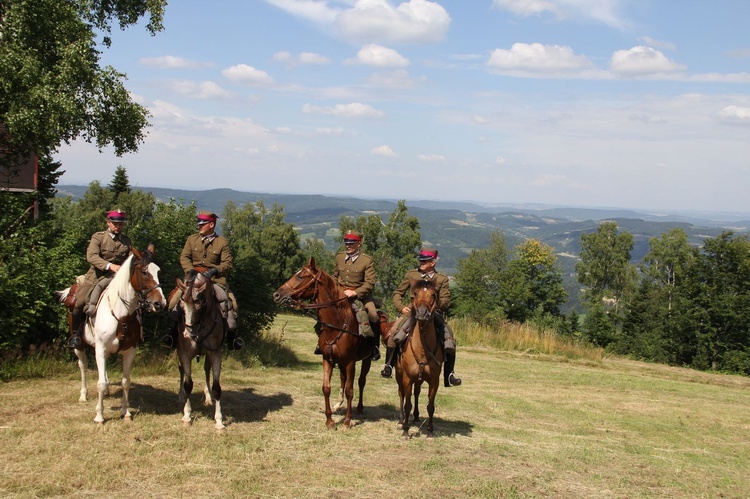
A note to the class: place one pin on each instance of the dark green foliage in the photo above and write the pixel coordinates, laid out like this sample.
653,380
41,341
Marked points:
266,252
598,326
120,182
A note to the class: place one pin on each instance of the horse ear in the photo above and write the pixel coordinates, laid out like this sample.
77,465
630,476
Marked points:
135,252
151,248
312,263
179,283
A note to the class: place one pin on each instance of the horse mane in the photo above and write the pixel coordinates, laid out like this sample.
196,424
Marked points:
121,282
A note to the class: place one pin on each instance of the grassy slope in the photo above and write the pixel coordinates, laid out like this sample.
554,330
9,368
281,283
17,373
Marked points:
521,426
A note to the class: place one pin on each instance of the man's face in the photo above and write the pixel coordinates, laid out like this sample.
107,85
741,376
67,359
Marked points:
351,247
427,266
206,229
114,227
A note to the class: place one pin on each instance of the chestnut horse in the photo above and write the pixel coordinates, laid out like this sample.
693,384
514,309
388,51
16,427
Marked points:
116,327
421,357
200,331
339,339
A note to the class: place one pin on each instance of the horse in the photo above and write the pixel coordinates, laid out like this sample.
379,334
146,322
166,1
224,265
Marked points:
116,327
200,331
339,339
421,357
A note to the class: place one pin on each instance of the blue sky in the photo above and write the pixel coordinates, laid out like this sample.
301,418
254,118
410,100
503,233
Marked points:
620,103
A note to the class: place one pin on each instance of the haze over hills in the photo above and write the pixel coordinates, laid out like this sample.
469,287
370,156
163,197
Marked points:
458,227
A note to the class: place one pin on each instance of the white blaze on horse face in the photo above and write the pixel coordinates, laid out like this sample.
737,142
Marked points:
153,270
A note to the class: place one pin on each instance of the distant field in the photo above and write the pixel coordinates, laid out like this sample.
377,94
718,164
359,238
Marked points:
521,426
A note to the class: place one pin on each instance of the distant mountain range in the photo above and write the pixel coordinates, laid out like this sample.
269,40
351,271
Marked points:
458,227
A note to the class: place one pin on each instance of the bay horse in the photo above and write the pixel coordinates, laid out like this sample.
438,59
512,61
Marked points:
200,331
116,327
339,339
421,357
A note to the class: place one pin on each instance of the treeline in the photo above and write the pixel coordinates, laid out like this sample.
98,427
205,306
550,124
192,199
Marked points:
683,305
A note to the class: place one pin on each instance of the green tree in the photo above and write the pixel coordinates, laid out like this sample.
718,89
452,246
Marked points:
605,267
120,182
266,251
316,248
393,245
536,264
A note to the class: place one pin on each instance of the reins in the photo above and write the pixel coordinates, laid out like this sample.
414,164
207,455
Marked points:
428,353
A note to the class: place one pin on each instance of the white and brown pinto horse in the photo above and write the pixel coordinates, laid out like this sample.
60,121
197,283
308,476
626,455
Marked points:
200,332
116,327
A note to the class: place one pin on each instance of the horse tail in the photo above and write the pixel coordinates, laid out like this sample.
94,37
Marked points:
60,296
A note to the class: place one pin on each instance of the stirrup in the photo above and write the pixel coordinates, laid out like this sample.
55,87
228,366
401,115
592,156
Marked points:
167,341
375,354
317,351
75,342
237,344
387,371
451,380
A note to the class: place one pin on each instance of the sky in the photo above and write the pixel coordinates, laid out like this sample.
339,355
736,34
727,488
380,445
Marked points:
639,104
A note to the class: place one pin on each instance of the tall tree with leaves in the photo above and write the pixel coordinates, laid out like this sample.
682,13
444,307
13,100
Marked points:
393,245
535,265
120,182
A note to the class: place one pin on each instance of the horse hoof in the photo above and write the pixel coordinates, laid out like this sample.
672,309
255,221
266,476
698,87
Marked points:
187,423
221,430
127,419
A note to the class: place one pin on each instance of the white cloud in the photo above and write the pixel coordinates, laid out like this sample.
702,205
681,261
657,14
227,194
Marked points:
479,120
383,150
658,44
431,157
537,58
648,119
412,21
290,60
200,90
501,161
735,115
353,110
398,78
602,11
640,61
377,56
247,74
171,62
330,131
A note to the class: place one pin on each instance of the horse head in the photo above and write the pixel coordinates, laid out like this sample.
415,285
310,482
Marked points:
424,299
303,285
144,277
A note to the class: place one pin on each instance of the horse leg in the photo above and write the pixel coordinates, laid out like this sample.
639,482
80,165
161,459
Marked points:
340,403
187,388
102,385
216,387
406,410
128,357
208,398
417,391
181,392
327,370
362,381
401,398
431,392
351,372
83,365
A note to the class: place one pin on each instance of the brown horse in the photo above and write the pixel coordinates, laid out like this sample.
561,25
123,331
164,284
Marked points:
116,327
200,331
421,357
339,340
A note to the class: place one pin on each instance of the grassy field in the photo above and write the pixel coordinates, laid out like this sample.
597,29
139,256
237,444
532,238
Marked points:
522,425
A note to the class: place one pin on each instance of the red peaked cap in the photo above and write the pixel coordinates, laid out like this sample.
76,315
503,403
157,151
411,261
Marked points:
353,236
428,254
206,217
116,215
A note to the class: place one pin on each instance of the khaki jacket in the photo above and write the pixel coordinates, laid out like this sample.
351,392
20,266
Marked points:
441,286
213,252
358,275
103,250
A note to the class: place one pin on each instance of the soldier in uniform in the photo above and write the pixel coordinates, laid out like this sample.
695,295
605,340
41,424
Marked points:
426,271
106,252
355,272
209,253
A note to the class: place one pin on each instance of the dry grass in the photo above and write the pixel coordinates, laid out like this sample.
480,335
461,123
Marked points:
521,426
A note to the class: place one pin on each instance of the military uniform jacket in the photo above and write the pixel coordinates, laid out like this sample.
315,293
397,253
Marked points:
414,275
103,250
211,253
358,275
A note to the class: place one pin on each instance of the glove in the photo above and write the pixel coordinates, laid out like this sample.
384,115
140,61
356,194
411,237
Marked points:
211,272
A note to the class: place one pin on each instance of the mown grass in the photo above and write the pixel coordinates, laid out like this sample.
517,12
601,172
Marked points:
522,425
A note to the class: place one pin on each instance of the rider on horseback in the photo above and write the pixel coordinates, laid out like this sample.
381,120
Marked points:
355,272
426,271
208,253
106,252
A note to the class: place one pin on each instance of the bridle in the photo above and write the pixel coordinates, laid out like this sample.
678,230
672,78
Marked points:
191,326
141,290
294,301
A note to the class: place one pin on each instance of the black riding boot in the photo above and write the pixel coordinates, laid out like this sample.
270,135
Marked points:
449,378
170,340
76,339
235,343
375,354
387,371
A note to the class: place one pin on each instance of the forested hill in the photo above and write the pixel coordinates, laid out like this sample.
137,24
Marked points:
457,227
